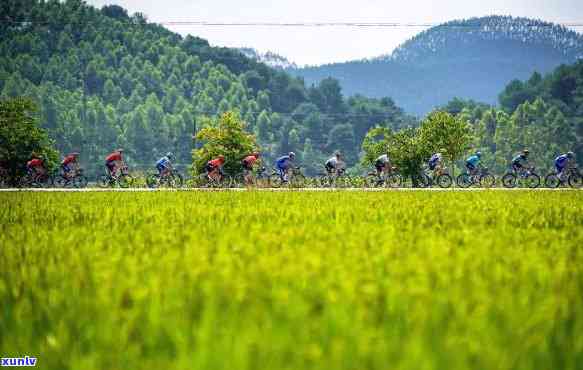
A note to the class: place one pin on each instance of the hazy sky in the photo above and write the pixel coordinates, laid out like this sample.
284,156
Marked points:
317,45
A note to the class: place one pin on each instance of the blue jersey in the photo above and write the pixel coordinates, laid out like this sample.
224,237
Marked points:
283,162
473,160
163,162
561,161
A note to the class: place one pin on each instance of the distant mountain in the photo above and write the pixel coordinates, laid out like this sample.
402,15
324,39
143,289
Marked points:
472,58
269,58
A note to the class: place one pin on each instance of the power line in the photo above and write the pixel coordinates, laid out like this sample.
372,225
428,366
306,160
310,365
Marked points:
323,24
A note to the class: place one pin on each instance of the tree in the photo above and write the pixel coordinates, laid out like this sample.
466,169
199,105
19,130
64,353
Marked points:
21,136
441,131
408,152
375,143
224,136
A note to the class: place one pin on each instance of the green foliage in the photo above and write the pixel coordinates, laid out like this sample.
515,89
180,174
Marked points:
79,62
442,131
375,143
408,151
272,280
21,137
224,136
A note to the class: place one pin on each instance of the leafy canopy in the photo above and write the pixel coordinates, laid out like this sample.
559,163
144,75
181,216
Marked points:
21,136
224,136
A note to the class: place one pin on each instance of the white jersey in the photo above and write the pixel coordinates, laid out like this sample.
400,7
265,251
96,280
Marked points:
384,159
335,163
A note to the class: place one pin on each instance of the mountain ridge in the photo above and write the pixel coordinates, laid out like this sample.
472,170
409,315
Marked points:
428,70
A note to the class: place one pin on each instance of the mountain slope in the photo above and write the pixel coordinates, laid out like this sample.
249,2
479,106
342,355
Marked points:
104,79
472,58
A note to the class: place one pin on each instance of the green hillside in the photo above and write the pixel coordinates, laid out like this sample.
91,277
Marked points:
104,79
473,58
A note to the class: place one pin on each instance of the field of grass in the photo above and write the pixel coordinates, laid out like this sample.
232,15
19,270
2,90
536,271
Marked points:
256,280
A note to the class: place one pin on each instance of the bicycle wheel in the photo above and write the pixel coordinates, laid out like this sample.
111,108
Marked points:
444,181
394,180
509,180
104,181
552,180
532,181
575,180
421,180
373,181
487,181
80,181
153,181
463,180
62,182
324,181
275,181
124,181
343,181
298,181
176,180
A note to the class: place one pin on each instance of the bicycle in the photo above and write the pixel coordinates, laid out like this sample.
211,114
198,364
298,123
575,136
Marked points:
30,180
571,177
294,178
335,179
481,178
388,180
527,177
258,178
78,180
172,179
221,181
122,180
427,178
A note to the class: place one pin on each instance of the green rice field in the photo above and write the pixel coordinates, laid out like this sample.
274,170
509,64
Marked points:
293,280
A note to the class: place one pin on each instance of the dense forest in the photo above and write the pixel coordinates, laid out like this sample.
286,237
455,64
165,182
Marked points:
104,79
473,58
543,114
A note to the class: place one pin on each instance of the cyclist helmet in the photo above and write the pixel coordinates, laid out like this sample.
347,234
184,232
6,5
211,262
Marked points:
221,157
256,154
338,154
570,154
292,154
479,154
120,150
525,151
170,155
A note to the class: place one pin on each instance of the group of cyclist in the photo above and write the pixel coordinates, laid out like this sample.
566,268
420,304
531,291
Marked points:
334,165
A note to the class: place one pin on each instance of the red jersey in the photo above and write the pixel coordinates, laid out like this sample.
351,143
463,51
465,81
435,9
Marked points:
115,156
34,163
69,159
250,160
216,162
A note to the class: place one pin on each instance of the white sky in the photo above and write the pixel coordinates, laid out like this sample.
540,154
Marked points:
318,45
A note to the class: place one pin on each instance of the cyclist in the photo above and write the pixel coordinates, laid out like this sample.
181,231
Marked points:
473,162
164,164
214,168
383,164
70,165
248,162
335,164
36,168
519,162
283,164
563,162
435,161
114,161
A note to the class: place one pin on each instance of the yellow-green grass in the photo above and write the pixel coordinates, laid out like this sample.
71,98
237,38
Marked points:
256,280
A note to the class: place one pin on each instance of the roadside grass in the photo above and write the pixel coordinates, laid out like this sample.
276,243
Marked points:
256,280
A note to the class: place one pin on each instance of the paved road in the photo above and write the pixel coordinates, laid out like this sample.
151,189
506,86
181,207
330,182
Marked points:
59,190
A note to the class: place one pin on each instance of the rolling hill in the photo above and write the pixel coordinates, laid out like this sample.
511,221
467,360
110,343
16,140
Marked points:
472,58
